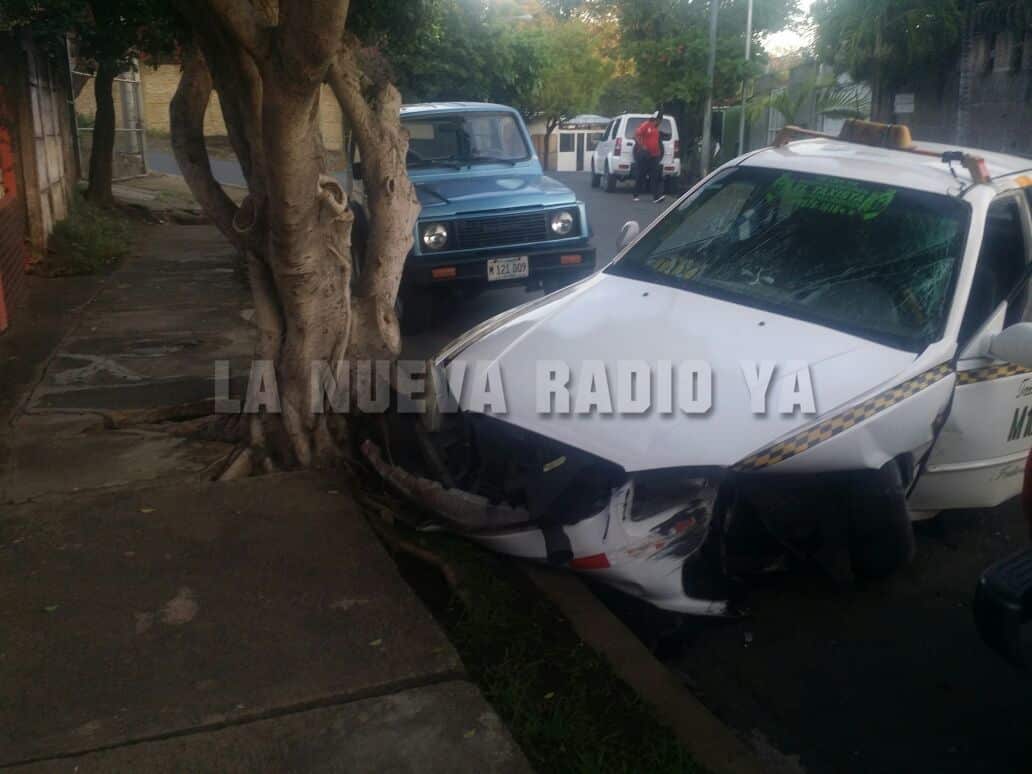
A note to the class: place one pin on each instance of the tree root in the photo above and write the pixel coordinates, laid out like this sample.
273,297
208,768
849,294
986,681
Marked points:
397,544
118,420
241,465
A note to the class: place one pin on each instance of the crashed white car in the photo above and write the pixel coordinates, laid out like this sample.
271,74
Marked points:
891,282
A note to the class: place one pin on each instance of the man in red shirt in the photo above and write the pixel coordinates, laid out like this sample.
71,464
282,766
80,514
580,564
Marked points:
648,155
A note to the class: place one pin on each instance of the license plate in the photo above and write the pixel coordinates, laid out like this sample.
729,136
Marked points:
508,268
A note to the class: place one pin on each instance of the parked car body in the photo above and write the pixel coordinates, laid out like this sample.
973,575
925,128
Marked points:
613,160
490,217
895,283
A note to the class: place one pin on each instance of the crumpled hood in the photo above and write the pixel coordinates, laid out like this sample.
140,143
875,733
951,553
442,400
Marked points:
610,318
455,193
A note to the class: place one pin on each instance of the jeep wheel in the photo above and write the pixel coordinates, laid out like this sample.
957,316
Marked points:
608,180
596,180
415,308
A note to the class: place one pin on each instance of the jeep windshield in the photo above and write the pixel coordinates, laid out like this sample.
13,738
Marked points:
873,260
462,139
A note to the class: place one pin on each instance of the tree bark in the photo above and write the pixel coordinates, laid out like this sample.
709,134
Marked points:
547,150
102,150
295,225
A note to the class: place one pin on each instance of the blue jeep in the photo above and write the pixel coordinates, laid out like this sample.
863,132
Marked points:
490,217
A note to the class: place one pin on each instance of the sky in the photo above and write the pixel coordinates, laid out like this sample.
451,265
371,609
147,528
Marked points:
785,41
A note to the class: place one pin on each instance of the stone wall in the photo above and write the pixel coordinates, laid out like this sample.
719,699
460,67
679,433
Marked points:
159,86
996,114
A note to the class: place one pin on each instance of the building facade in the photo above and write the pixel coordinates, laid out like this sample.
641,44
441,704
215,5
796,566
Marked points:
38,160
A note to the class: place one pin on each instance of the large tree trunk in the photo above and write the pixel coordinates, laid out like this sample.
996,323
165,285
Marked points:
295,225
102,150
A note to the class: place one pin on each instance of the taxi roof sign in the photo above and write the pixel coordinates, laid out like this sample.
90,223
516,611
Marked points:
890,136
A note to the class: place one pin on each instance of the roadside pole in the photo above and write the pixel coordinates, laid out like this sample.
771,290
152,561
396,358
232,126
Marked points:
745,78
707,116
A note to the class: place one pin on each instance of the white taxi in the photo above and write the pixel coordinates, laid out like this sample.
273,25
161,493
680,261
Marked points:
857,312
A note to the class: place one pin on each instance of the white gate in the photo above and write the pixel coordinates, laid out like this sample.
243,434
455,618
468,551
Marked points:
575,149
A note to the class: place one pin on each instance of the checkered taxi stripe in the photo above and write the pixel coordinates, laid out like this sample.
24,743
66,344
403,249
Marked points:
829,428
989,373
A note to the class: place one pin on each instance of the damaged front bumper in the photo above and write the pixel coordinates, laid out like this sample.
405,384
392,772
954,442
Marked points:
647,537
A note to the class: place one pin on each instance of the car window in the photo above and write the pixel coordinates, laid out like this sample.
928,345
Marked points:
666,127
610,130
464,137
870,259
1000,269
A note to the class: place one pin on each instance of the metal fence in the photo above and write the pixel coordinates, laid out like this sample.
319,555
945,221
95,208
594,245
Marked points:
130,154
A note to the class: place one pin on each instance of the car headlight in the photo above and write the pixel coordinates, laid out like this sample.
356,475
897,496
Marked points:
435,236
562,223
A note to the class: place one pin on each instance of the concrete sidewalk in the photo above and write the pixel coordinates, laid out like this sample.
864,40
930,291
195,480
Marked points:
145,343
252,626
155,621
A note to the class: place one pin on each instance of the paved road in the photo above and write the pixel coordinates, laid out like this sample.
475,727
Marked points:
606,212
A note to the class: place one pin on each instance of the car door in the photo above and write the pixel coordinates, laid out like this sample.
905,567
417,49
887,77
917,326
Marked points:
979,455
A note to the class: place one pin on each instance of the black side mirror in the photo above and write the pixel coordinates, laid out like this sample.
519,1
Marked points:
1003,608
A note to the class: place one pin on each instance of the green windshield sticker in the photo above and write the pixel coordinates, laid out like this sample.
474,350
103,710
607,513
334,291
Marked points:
675,266
831,195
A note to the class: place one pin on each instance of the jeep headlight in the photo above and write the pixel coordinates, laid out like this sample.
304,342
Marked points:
435,236
562,223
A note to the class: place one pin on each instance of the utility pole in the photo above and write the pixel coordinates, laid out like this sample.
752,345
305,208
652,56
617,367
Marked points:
711,67
745,78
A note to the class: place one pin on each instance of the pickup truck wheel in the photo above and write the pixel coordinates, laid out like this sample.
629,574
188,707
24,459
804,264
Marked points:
596,180
608,180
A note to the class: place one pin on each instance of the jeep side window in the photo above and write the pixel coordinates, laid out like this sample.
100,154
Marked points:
1000,269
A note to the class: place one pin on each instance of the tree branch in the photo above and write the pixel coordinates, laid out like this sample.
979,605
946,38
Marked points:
309,36
372,108
240,18
238,83
186,117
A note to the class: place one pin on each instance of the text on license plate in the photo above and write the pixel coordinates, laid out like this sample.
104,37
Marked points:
508,268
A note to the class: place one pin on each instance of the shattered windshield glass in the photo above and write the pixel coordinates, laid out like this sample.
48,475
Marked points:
874,260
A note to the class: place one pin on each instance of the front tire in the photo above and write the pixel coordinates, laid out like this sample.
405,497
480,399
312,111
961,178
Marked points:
596,180
881,535
416,309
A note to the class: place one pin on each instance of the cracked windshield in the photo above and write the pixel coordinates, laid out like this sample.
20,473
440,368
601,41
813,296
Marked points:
464,139
869,259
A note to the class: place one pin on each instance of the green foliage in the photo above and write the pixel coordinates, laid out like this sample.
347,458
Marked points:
450,49
669,43
564,706
571,72
89,240
888,39
827,97
623,94
891,39
112,31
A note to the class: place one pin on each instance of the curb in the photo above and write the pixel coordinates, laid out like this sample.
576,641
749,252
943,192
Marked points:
711,742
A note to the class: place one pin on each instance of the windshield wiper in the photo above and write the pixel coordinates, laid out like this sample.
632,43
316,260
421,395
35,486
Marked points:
449,161
493,160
